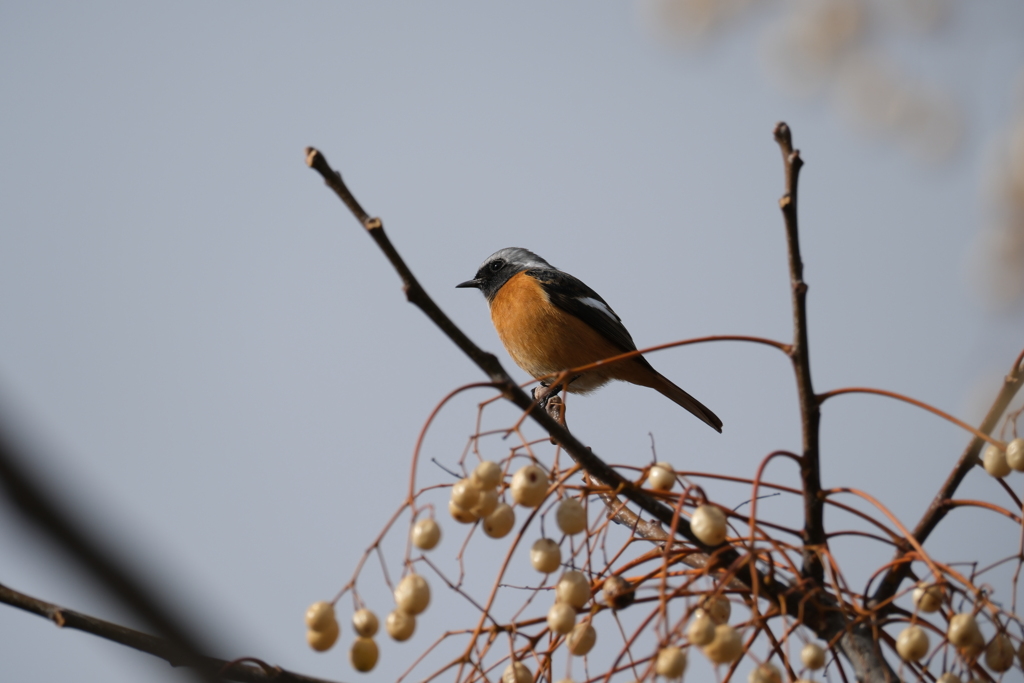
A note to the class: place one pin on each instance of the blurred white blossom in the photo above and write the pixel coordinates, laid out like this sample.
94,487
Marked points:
685,21
998,263
835,48
877,99
806,46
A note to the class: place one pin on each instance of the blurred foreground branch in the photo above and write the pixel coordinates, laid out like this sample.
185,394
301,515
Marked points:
143,642
41,508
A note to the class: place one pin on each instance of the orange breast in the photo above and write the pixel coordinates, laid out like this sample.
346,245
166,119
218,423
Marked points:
543,339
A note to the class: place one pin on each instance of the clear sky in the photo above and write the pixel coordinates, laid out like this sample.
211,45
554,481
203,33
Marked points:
221,369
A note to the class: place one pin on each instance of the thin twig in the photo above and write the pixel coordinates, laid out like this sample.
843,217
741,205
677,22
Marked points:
914,402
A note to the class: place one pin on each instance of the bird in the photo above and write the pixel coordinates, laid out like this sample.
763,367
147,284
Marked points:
550,321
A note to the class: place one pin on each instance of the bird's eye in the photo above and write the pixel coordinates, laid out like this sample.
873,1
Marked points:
497,265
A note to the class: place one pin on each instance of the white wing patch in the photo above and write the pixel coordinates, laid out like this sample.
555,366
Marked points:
599,305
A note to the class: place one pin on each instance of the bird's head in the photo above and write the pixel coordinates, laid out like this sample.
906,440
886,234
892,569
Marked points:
502,265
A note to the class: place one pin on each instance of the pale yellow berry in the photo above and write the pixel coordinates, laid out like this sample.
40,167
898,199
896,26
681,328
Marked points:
912,643
320,616
813,656
322,640
994,461
765,673
500,522
487,474
948,677
999,653
581,639
718,608
661,477
1015,454
363,654
963,631
573,589
701,630
413,594
400,625
561,617
516,672
425,534
618,593
461,514
726,647
671,662
365,623
708,524
928,597
529,486
545,555
486,503
465,493
571,517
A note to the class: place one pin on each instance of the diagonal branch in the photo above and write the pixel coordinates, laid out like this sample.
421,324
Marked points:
143,642
810,414
492,367
899,570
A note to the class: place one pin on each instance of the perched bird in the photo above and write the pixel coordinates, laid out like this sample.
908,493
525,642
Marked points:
549,321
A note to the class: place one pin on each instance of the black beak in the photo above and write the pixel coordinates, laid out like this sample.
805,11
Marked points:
475,284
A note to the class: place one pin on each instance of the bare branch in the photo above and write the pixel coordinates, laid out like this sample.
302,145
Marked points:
810,415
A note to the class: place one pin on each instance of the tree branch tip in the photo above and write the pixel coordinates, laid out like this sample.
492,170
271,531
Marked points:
311,156
782,132
316,160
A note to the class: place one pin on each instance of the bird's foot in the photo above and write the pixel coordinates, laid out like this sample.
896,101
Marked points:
544,393
556,409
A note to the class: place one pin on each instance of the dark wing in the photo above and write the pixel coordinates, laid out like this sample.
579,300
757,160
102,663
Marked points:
569,294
